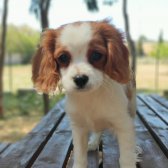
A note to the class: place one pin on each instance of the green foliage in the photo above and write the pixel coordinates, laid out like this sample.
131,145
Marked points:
26,104
160,51
22,40
22,112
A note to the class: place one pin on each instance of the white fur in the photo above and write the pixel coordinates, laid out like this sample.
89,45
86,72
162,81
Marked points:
94,141
76,38
95,76
101,105
71,38
104,108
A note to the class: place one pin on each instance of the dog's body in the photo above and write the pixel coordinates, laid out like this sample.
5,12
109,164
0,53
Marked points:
105,108
91,61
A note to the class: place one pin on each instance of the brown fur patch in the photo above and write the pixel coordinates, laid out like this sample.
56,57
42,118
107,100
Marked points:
130,87
117,64
97,45
45,75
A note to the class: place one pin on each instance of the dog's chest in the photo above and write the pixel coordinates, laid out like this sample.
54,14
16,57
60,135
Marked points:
98,123
95,112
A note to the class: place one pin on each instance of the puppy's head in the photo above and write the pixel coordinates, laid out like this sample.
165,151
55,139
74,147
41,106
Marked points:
80,55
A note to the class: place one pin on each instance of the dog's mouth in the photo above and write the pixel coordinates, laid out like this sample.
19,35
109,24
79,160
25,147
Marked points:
84,89
88,88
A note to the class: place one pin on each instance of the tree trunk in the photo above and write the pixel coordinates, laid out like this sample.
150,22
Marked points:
44,6
44,19
2,52
131,44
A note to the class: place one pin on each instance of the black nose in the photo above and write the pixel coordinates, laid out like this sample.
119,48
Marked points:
81,80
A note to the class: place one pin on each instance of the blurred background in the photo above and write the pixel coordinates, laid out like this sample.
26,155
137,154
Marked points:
143,22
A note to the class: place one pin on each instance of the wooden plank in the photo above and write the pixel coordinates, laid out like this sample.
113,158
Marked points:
163,101
157,108
57,148
156,126
29,148
93,159
48,145
70,160
110,151
3,147
152,156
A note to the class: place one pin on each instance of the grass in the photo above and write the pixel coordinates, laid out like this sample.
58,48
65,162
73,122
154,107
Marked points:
146,76
23,111
21,78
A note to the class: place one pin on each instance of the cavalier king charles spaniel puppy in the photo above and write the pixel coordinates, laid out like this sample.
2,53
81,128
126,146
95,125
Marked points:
91,62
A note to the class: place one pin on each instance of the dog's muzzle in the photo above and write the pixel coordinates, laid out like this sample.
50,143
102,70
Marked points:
81,81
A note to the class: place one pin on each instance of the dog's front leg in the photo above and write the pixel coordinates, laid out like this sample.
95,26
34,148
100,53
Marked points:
80,141
126,140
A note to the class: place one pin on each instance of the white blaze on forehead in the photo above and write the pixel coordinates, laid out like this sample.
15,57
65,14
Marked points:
76,37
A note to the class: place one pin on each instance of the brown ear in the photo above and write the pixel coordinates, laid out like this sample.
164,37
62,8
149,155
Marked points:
117,65
45,74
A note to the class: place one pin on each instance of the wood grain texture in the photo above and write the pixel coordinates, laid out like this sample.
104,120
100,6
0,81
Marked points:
55,152
3,147
163,101
157,127
110,151
49,144
22,153
156,107
152,156
70,160
93,159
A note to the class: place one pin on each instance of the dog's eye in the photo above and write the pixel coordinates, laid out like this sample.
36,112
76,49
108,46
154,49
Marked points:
95,56
64,59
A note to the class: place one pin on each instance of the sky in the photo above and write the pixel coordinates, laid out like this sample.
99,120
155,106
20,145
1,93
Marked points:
146,17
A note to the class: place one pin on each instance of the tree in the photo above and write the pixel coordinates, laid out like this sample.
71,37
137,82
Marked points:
22,40
2,52
160,51
92,5
140,50
131,43
40,8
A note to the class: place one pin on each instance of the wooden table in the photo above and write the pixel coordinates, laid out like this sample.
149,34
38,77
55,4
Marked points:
49,144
